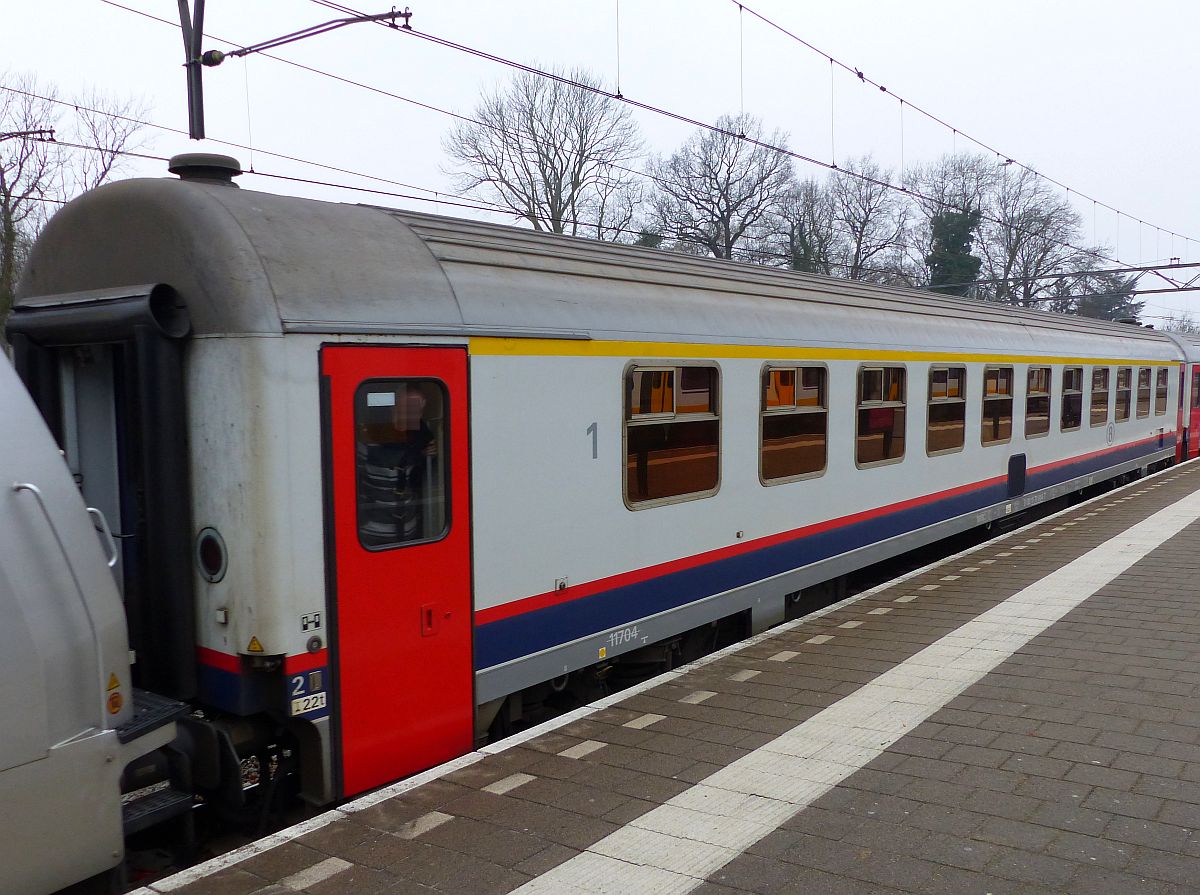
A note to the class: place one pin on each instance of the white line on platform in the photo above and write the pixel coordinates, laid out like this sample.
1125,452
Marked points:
672,849
509,783
317,873
580,750
647,719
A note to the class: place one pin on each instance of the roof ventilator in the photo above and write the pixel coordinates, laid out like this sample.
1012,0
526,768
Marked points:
205,167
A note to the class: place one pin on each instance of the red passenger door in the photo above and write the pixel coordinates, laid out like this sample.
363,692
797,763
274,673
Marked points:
396,430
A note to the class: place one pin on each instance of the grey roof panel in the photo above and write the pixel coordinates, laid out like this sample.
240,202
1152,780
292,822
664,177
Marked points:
254,262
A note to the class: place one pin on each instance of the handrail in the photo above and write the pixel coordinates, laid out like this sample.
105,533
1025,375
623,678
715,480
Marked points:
37,493
98,515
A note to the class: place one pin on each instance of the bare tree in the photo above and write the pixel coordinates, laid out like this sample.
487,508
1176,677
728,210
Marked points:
1181,322
804,232
717,193
555,153
871,217
1028,231
37,174
28,169
950,192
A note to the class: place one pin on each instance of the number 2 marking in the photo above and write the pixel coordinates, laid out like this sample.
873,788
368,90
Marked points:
592,431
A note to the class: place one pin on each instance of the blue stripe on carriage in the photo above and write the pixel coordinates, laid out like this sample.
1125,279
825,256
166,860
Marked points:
510,638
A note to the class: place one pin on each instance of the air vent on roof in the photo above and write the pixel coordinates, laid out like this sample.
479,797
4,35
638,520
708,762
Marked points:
205,167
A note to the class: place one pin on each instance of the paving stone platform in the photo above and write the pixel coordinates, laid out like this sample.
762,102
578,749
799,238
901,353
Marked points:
1022,719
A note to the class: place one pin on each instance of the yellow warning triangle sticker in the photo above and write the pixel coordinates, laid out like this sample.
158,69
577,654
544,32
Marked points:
113,683
255,646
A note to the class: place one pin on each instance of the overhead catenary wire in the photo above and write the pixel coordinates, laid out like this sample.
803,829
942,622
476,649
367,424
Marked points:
231,144
955,131
614,96
713,128
494,208
566,80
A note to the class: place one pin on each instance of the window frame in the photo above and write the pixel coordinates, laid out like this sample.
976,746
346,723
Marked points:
443,455
764,412
1162,375
1107,396
1048,394
1064,392
674,416
1127,391
1011,398
1137,392
930,400
860,405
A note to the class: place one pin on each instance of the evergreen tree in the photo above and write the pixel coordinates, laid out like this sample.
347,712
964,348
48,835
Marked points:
952,268
1108,296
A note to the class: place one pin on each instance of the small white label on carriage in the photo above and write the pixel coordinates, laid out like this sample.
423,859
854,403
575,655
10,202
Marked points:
308,703
310,622
381,399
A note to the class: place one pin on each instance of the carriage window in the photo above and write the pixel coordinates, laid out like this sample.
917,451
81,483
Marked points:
1099,396
880,436
1160,392
1037,402
997,405
401,453
1143,392
1196,388
947,424
1072,399
672,433
794,423
1124,392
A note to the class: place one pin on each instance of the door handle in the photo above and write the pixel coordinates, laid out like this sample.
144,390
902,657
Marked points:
430,621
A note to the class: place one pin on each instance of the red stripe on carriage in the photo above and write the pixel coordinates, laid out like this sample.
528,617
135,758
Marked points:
579,591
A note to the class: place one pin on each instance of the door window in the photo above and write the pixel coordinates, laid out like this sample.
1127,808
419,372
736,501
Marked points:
400,452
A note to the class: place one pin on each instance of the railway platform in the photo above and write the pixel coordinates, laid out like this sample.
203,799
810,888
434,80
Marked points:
1021,719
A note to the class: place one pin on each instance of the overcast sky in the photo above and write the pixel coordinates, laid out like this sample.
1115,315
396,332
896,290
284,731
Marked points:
1098,95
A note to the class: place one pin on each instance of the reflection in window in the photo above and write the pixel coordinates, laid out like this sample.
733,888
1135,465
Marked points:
880,433
671,434
1099,414
1124,392
1037,402
794,422
1072,398
1160,392
997,404
401,445
1143,392
947,425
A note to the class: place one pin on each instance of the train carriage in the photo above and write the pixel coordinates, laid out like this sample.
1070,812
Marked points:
375,473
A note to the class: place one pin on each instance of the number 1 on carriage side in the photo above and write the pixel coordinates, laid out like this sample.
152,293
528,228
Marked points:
592,431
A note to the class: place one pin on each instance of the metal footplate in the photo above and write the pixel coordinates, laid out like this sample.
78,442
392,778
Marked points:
150,712
151,810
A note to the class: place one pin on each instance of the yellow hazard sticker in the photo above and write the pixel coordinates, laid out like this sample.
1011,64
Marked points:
603,652
255,646
113,682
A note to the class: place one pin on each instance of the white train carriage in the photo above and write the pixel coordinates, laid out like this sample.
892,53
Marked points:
375,471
